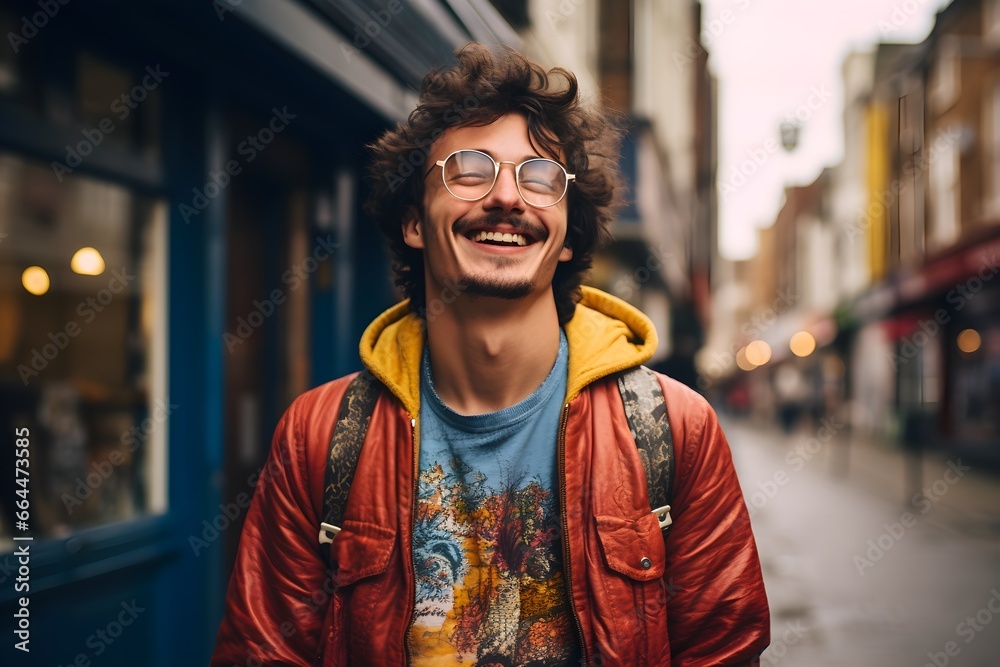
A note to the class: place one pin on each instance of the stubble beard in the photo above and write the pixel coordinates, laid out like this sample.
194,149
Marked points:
496,287
495,284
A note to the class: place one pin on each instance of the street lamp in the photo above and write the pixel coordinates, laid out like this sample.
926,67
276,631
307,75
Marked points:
790,134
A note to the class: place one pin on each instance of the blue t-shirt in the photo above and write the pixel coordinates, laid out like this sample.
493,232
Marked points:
487,546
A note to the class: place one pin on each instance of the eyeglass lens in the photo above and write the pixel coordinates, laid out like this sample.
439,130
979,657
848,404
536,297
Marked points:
471,175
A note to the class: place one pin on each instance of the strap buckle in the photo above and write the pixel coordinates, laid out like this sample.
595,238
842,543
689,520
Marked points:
663,516
327,531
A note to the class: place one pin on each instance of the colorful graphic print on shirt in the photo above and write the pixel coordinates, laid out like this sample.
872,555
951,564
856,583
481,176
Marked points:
489,577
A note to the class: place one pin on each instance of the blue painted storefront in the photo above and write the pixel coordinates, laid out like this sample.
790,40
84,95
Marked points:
148,590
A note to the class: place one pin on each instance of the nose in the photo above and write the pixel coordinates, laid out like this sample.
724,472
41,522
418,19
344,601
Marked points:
505,196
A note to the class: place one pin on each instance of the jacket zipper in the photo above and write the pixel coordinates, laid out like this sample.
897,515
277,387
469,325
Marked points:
411,593
561,449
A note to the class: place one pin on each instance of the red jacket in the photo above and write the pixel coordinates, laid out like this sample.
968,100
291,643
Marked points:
702,602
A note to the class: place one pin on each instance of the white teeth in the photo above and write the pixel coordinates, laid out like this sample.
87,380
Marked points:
500,238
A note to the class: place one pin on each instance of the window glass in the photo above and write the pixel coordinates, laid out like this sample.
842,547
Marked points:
21,82
976,380
945,184
107,103
120,105
82,348
991,115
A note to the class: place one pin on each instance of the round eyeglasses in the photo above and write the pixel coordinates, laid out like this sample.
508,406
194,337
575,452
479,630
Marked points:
470,175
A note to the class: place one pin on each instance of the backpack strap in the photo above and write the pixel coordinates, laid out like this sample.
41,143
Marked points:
345,448
646,411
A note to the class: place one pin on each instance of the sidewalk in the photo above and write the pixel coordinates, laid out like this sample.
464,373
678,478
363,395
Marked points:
855,573
976,499
886,470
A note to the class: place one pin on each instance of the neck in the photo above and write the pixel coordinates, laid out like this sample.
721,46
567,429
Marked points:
489,354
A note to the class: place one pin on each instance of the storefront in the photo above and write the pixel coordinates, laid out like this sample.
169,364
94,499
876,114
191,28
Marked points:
944,334
182,251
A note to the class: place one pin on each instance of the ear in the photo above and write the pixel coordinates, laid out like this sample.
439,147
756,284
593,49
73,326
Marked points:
411,228
566,253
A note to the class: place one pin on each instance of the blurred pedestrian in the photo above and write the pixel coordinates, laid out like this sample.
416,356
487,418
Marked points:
791,393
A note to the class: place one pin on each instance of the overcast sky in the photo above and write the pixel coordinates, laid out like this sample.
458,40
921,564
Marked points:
773,58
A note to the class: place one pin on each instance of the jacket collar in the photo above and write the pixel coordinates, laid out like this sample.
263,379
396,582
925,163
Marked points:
605,335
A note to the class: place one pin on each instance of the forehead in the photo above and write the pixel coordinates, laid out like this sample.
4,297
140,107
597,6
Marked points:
506,138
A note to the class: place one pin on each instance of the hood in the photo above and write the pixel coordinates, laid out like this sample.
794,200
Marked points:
606,335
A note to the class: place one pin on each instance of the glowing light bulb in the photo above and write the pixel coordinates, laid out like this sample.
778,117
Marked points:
36,280
741,360
87,262
758,353
969,341
802,344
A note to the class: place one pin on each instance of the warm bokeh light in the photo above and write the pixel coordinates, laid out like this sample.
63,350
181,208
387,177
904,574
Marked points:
969,341
36,280
741,360
87,262
758,353
802,344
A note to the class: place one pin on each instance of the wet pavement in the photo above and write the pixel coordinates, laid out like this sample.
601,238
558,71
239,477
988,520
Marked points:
858,571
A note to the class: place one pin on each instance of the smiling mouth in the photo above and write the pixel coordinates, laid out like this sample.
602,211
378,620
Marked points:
504,231
498,238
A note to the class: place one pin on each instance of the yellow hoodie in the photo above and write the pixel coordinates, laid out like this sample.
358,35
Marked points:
605,335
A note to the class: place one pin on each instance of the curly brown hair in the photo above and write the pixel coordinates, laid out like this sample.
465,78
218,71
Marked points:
484,84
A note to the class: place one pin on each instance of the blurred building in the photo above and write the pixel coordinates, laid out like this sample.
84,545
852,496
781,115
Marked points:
781,331
893,254
932,226
182,252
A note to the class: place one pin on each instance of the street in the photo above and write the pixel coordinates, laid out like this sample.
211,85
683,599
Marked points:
854,574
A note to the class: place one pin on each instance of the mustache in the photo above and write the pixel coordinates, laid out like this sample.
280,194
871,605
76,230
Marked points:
466,224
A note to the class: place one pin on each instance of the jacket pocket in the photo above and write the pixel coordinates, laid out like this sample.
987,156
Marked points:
630,594
358,554
360,550
634,547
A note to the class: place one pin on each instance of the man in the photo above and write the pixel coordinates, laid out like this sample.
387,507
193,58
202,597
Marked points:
498,514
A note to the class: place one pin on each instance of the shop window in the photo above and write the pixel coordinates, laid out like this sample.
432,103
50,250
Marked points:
8,59
944,186
976,381
20,68
124,99
56,78
82,348
946,74
991,21
991,116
